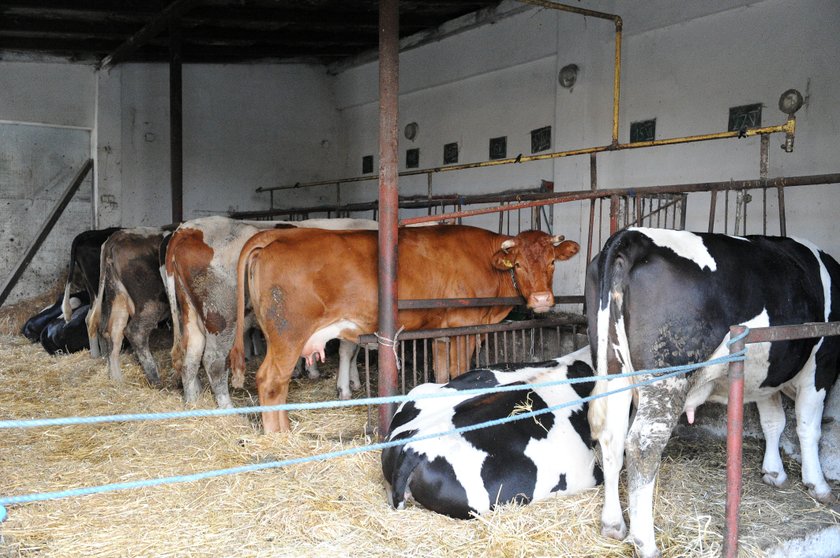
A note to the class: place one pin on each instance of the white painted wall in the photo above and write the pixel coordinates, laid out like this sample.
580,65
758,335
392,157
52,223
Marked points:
244,127
684,64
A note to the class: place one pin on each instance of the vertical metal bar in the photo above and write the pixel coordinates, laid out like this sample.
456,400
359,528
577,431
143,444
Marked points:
782,219
712,206
338,199
388,202
414,361
726,214
402,369
638,211
495,346
763,166
429,187
176,137
683,210
616,79
425,361
734,439
367,385
600,219
613,214
593,185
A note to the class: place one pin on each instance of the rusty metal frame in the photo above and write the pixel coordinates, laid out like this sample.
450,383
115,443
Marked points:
735,411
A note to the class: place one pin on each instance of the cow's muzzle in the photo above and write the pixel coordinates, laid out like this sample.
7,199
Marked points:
541,302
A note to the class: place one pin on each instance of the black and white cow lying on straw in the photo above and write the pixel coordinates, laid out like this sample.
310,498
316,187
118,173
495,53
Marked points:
658,298
522,461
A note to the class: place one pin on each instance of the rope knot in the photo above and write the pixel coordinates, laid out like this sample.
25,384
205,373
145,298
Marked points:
392,343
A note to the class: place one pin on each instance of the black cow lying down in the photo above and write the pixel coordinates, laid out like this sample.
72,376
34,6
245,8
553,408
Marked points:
67,337
35,325
522,461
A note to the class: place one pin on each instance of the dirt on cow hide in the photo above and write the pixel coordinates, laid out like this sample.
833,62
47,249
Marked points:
333,507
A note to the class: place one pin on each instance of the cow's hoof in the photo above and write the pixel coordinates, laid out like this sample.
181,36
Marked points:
356,386
646,551
615,531
344,396
824,496
779,480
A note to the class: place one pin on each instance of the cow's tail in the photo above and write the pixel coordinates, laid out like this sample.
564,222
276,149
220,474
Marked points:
169,272
66,308
614,266
95,313
406,463
237,353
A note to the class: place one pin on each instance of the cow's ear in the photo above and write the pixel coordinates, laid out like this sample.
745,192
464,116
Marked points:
566,250
502,261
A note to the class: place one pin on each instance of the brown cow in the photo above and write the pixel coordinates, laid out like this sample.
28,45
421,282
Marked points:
200,279
309,286
131,300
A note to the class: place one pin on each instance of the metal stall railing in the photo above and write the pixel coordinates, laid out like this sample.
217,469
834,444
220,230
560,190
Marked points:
534,340
735,411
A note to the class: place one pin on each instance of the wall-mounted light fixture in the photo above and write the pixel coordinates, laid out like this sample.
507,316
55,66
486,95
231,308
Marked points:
568,75
791,101
411,130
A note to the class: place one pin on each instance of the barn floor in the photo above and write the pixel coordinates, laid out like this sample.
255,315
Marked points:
335,507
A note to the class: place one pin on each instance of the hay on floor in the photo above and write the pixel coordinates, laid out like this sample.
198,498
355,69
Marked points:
335,507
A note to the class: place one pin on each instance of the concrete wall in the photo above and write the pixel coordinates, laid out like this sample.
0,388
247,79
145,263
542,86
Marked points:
46,117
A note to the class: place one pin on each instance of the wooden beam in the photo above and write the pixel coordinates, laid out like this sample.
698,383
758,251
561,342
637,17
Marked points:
163,20
45,230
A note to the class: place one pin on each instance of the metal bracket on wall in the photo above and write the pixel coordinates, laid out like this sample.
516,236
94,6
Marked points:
53,217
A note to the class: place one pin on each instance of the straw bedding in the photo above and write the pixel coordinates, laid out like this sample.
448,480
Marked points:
335,507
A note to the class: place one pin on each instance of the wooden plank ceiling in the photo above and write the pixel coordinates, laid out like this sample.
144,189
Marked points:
213,31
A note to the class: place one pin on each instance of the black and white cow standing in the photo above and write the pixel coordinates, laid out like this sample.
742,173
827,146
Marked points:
659,298
521,461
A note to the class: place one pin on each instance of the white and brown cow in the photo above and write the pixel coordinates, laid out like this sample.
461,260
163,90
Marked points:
469,473
200,281
658,298
131,299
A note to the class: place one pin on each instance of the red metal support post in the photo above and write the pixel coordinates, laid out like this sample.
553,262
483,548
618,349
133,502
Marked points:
613,214
734,440
388,203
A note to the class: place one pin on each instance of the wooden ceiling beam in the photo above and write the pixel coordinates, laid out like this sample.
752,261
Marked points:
162,21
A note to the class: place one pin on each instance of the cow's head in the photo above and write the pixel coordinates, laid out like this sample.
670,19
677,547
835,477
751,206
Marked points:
530,256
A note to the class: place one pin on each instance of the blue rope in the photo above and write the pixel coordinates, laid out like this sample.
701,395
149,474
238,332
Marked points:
675,371
133,417
738,337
